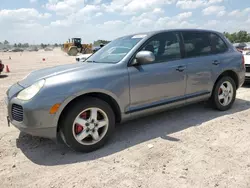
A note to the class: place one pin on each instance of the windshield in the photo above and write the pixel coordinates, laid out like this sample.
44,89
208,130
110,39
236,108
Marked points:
115,51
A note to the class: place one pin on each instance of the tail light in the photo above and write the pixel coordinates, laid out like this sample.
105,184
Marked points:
243,61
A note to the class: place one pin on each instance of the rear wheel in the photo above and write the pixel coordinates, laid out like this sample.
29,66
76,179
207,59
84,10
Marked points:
224,93
88,125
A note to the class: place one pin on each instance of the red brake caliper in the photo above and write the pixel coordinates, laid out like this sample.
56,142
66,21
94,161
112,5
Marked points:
79,128
220,90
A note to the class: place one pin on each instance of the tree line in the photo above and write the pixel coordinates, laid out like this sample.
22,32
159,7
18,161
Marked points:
27,45
238,37
99,42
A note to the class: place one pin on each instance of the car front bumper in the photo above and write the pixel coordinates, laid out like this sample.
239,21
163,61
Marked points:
31,117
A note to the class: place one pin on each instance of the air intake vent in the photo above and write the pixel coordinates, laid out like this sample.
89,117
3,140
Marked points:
17,112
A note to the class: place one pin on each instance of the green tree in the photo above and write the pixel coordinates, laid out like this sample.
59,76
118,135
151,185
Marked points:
6,42
25,45
242,36
43,45
238,37
98,42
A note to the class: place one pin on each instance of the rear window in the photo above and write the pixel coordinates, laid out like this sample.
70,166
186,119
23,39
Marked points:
202,44
197,44
217,44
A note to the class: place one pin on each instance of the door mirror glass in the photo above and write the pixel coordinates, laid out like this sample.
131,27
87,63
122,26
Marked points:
144,57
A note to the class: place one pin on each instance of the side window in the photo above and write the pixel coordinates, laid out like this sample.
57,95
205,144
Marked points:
197,44
153,46
218,45
166,47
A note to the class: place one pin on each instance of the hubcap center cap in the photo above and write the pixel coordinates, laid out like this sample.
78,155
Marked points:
226,93
91,126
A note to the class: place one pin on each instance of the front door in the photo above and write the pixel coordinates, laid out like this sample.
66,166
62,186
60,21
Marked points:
161,82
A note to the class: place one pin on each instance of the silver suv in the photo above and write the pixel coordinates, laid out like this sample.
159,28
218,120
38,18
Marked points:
130,77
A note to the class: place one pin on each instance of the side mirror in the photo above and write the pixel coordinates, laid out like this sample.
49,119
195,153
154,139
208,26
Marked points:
144,57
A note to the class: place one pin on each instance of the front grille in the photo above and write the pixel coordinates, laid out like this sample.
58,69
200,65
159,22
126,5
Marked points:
17,112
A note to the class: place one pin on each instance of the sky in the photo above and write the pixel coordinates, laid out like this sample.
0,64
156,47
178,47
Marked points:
55,21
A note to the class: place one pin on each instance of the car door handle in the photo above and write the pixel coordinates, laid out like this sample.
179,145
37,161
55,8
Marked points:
181,68
216,62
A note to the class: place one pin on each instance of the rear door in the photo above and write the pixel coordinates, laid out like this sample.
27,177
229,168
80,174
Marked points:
200,61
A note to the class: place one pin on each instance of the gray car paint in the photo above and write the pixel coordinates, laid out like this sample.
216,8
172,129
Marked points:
138,90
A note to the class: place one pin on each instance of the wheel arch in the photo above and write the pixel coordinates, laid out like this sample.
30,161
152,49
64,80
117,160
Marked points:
97,94
231,74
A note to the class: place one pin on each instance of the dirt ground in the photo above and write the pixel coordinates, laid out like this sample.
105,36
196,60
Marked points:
194,146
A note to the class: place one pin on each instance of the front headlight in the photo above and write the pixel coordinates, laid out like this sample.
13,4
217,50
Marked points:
29,92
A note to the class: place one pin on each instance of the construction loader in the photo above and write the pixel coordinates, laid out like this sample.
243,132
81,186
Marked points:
75,46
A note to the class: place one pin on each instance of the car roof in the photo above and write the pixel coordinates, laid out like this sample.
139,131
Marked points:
150,33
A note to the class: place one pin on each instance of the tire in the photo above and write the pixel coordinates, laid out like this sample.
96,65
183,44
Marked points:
67,126
217,103
73,51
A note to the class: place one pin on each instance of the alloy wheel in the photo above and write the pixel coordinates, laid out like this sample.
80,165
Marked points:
225,93
90,126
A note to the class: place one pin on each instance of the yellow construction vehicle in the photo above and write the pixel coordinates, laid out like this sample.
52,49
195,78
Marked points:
75,46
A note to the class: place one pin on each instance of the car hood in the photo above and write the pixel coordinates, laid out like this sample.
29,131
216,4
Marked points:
53,71
84,56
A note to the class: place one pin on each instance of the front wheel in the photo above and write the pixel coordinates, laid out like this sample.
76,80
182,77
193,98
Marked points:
88,125
224,93
73,51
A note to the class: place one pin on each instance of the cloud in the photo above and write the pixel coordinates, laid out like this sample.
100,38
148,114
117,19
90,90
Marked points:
134,6
158,11
99,19
149,21
212,23
239,13
221,13
33,1
23,14
97,1
65,7
98,14
214,10
190,4
22,25
184,15
81,16
169,23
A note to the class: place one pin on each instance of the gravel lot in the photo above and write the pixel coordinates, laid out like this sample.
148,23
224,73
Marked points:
194,146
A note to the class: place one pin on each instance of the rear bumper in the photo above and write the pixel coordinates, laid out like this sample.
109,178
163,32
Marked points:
247,77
